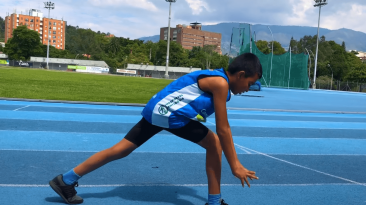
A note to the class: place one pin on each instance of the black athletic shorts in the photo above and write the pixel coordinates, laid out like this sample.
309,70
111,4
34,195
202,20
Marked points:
194,131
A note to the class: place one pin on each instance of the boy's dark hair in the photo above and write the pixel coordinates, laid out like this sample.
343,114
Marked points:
247,62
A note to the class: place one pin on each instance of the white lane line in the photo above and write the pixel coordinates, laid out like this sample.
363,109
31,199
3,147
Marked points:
341,178
242,149
211,123
295,111
21,108
179,185
203,152
167,134
246,151
92,151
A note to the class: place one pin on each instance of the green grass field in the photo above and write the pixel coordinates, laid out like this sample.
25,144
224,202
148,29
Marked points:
60,85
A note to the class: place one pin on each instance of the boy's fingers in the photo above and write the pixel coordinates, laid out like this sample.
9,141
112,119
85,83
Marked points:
246,180
242,182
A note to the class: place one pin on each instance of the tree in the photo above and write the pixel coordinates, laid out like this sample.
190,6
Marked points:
294,45
277,48
264,47
2,29
113,46
24,44
357,74
344,46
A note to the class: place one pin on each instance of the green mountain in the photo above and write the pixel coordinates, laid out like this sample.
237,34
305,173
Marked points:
354,40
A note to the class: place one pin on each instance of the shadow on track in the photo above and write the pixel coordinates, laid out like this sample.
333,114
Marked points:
138,194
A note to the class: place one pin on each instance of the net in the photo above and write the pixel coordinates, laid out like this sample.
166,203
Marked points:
284,71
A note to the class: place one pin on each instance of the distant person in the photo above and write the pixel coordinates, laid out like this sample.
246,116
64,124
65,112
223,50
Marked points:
179,108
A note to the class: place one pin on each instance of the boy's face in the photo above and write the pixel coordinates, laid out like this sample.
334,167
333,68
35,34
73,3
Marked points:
243,83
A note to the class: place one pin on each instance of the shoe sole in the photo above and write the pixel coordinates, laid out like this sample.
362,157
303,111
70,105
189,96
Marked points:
58,191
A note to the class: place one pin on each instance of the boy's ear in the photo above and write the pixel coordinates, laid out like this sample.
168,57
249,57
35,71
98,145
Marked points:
241,74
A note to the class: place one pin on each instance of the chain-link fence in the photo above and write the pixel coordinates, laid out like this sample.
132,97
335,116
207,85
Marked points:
341,85
288,70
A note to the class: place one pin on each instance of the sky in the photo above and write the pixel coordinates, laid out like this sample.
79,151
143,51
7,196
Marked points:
141,18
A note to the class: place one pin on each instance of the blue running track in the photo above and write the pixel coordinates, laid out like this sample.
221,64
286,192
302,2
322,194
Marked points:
303,152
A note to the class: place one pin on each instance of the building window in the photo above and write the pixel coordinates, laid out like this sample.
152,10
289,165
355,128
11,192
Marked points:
54,36
54,23
21,18
37,20
31,20
54,41
54,32
26,20
54,28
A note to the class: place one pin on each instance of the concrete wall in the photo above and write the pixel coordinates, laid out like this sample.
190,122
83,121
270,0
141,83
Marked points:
160,68
70,61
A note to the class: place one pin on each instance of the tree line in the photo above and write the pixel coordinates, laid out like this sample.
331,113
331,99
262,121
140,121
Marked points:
115,51
119,51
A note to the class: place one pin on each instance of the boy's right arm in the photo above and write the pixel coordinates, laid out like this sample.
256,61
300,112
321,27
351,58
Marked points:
219,89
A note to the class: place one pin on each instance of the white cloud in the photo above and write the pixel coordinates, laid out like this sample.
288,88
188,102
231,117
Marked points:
139,18
141,4
197,6
299,14
352,18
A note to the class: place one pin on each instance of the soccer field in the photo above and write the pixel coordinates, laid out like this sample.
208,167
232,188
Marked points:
56,85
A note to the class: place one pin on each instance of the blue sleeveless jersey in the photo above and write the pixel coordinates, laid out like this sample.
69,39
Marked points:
182,101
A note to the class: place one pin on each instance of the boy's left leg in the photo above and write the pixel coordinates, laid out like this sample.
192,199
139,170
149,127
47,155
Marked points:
213,161
198,133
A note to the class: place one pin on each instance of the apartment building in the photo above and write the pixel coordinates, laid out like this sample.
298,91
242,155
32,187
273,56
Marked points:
192,35
51,30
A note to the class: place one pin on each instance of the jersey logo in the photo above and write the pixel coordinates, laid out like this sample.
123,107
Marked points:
164,109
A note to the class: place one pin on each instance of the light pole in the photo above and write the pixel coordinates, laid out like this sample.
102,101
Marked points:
331,82
318,3
167,52
270,73
310,62
48,5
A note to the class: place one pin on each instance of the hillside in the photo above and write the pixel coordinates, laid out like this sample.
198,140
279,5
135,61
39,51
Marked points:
354,40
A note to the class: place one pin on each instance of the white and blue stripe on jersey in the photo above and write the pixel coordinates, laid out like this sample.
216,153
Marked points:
182,101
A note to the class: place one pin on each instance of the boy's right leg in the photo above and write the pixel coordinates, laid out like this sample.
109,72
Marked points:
138,135
64,185
118,151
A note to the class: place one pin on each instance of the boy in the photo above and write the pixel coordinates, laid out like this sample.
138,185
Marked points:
178,108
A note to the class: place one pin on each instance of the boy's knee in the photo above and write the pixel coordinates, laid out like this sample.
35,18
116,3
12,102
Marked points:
212,142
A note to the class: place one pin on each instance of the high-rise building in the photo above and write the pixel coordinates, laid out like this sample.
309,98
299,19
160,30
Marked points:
49,29
192,35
